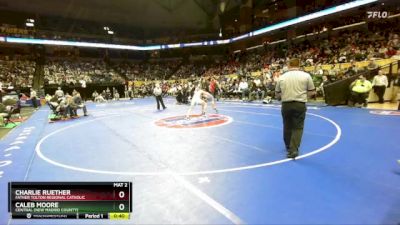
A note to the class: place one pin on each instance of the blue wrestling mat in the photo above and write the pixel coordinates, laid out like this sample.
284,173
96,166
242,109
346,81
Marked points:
226,168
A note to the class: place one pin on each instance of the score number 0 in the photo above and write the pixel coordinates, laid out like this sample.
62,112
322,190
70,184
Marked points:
121,195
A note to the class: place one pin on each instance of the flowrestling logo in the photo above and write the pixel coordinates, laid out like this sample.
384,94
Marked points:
377,14
195,121
386,113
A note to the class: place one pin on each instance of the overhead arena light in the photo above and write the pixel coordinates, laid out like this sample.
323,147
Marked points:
28,24
276,42
240,37
222,6
395,15
316,32
221,42
2,39
350,25
300,36
193,44
310,34
174,46
80,44
315,15
254,47
110,32
267,29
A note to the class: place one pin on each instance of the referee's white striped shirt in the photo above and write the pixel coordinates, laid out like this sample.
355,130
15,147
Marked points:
294,85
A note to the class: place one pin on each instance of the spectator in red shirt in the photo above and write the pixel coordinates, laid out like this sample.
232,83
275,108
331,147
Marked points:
391,52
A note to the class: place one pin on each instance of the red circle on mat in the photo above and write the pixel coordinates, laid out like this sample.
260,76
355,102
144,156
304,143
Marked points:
195,121
386,113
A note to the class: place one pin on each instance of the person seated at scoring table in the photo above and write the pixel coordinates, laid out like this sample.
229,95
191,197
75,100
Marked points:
360,89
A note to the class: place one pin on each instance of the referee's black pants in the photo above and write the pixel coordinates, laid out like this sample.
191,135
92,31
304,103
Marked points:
293,114
34,102
380,92
160,101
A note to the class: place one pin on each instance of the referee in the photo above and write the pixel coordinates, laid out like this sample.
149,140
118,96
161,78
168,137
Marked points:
158,92
293,87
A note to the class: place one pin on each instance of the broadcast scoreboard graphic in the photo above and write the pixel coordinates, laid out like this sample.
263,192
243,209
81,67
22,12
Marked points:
70,200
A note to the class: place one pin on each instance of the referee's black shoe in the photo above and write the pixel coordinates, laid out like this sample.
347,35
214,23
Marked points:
292,155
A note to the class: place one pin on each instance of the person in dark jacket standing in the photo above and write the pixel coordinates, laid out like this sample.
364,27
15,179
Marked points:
294,86
33,98
157,92
77,103
396,88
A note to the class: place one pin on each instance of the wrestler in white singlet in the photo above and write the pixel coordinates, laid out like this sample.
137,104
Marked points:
197,99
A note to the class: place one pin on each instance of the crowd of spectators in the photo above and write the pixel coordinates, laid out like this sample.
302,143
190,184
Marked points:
148,70
254,72
189,70
16,71
79,72
206,69
261,87
341,47
337,48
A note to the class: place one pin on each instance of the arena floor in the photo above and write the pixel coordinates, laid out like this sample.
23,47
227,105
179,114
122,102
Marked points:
223,169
